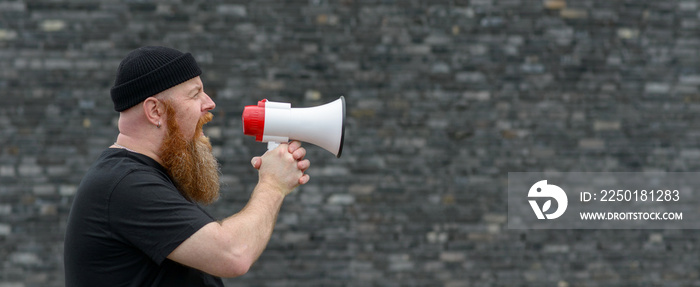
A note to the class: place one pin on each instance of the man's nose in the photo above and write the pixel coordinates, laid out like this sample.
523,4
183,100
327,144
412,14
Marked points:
208,103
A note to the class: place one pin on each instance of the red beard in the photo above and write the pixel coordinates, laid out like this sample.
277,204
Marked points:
190,163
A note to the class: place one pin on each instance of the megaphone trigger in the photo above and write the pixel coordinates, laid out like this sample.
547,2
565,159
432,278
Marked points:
272,145
275,122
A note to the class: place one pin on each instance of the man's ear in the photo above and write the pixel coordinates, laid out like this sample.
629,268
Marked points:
154,111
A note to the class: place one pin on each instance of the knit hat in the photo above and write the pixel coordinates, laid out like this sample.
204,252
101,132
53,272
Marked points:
150,70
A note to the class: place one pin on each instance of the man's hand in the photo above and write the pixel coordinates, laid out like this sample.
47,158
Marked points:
283,167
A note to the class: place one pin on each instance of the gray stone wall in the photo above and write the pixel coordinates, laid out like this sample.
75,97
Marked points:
444,99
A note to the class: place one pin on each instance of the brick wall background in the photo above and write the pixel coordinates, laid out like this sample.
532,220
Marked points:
444,98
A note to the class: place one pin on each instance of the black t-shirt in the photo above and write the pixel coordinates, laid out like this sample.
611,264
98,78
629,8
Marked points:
127,217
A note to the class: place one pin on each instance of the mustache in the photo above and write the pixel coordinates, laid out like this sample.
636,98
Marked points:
201,122
205,119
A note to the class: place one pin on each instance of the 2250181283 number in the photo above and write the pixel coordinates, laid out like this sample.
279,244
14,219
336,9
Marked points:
640,195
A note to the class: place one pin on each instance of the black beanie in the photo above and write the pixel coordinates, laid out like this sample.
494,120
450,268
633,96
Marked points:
150,70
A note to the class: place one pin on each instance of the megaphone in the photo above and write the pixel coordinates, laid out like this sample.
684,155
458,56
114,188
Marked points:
275,122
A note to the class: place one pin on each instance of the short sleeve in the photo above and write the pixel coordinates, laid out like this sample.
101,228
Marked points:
147,212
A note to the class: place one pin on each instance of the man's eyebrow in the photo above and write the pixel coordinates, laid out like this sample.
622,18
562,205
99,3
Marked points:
195,88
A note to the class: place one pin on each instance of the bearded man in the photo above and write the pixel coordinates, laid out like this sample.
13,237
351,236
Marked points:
136,218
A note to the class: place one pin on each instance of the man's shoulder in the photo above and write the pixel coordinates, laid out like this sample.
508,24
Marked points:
119,163
127,159
116,168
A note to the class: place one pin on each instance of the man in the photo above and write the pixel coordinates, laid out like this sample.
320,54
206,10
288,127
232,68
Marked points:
135,220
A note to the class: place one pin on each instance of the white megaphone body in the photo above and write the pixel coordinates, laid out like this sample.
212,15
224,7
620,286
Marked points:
275,122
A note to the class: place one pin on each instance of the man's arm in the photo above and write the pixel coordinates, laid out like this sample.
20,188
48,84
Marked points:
228,248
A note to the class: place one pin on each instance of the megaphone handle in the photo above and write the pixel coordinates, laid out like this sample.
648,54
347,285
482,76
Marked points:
272,145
